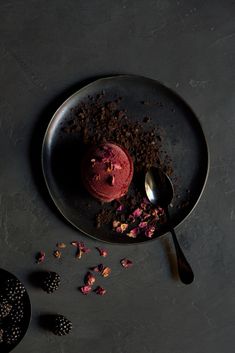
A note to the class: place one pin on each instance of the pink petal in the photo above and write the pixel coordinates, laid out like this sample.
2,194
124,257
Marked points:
116,224
143,206
150,231
89,279
155,213
131,218
133,233
103,252
40,257
146,215
100,291
143,225
137,212
98,268
75,243
85,289
126,263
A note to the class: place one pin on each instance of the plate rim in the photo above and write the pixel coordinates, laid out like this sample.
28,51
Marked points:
104,78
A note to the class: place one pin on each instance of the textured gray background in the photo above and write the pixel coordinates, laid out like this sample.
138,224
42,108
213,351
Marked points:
47,48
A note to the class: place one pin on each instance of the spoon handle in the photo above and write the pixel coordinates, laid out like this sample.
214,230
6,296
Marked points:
185,271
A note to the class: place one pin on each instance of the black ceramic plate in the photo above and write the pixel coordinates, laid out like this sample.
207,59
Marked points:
24,323
183,141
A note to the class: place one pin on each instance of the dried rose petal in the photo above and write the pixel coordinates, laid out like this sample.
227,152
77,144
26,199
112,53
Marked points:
143,225
146,216
133,233
122,228
75,243
131,218
57,254
155,213
98,268
40,257
120,208
161,211
106,272
126,263
85,289
89,279
100,291
137,212
149,232
116,224
61,245
143,205
103,252
81,248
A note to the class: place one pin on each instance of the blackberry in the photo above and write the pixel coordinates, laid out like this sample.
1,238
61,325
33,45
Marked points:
13,289
62,326
17,312
1,335
5,307
12,334
51,282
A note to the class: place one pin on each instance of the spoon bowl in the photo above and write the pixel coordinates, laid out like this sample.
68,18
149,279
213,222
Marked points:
158,187
160,191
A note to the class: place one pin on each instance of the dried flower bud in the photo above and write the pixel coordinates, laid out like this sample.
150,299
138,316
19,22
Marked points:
149,232
106,271
133,232
40,257
131,218
126,263
98,268
57,254
137,212
85,289
143,225
121,228
61,245
100,291
116,224
89,279
103,252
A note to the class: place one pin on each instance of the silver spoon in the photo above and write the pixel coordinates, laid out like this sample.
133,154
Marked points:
160,191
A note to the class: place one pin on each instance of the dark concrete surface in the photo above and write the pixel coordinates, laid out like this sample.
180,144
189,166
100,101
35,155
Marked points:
47,49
